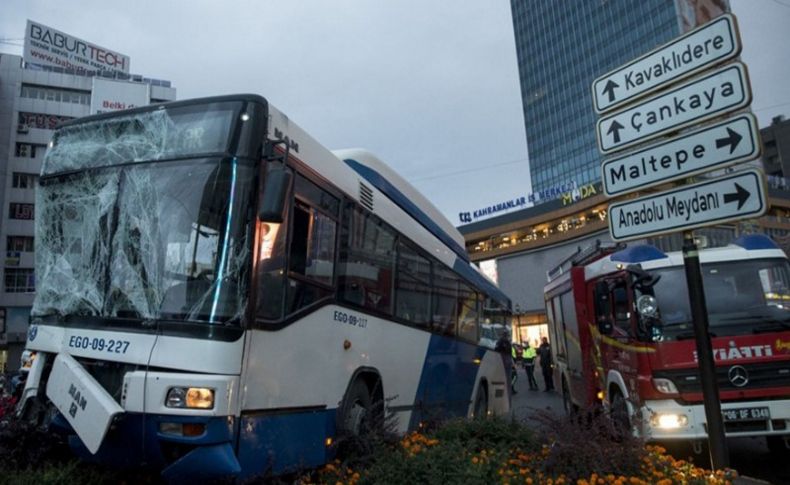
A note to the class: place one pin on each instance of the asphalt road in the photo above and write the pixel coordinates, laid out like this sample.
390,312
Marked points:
750,456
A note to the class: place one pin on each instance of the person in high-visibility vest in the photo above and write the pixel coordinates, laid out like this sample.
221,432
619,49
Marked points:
516,354
528,355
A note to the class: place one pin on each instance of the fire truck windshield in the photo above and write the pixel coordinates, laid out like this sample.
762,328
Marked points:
742,297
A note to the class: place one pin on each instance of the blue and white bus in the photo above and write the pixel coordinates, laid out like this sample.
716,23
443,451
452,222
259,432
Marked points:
219,295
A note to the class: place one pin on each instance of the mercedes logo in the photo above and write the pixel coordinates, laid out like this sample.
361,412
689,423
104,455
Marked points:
738,376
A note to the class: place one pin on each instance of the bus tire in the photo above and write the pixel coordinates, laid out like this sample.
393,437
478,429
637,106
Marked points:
567,404
480,408
355,411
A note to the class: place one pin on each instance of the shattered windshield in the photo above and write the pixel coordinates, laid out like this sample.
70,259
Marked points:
155,135
149,240
749,296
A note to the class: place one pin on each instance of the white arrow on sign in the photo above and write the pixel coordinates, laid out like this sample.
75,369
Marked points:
714,94
737,196
716,146
710,44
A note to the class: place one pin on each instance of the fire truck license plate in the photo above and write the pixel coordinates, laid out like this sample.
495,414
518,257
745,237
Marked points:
746,414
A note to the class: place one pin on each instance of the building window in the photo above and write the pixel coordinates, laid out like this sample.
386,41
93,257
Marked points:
60,95
21,211
22,244
29,150
20,280
22,180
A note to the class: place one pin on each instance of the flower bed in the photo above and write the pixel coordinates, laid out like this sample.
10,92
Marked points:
496,451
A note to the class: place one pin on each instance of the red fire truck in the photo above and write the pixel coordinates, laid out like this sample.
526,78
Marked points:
623,338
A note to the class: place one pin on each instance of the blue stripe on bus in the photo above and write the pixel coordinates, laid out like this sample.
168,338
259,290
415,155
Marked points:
447,380
462,266
384,185
286,442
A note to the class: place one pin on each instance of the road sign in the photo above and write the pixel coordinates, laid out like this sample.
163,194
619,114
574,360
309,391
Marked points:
710,44
727,143
733,197
714,94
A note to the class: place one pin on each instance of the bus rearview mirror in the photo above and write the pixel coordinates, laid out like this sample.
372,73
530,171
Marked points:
275,193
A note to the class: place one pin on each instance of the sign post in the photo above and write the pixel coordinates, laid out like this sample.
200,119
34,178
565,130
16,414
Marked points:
735,196
707,367
703,98
717,146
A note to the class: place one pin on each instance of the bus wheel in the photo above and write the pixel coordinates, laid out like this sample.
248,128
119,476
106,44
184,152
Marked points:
619,415
480,409
356,409
567,405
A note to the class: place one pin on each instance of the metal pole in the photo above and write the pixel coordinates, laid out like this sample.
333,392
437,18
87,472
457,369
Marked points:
720,457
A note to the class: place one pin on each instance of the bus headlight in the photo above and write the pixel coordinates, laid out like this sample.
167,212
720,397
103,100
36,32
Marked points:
190,397
664,386
669,421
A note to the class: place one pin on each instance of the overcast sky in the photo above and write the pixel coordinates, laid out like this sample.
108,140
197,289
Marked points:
430,86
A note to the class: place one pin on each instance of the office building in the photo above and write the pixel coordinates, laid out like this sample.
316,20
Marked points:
561,48
52,82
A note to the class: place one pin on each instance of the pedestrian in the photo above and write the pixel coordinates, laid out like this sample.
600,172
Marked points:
544,352
514,353
528,357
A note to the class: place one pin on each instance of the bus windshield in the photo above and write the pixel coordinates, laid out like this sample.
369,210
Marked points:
127,233
747,296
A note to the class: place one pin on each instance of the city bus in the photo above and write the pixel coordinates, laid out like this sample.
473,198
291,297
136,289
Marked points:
220,296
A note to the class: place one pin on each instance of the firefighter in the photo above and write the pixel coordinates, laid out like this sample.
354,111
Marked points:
544,352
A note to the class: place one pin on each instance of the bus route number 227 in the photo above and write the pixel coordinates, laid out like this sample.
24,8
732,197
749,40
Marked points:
350,319
100,344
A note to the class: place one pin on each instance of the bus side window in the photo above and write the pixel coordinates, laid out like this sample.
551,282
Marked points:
367,260
312,249
445,299
413,287
468,310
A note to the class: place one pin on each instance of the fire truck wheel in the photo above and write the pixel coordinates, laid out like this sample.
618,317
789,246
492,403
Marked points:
777,445
619,414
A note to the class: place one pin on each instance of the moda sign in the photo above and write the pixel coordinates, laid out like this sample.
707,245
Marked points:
50,47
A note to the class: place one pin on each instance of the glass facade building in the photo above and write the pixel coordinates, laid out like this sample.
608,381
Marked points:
562,46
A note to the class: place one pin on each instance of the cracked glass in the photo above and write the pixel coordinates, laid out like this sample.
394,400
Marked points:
132,223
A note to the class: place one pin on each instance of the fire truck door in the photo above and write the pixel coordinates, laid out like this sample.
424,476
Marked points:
621,352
